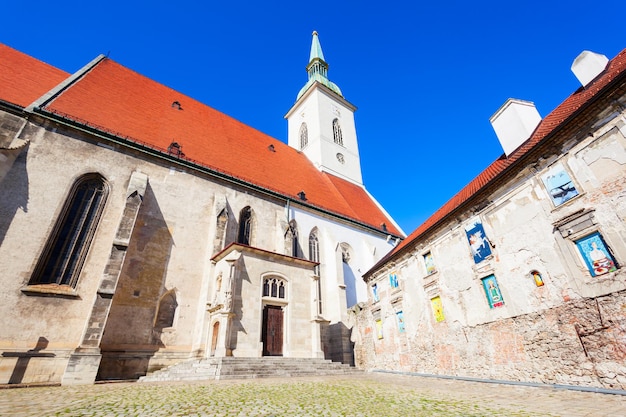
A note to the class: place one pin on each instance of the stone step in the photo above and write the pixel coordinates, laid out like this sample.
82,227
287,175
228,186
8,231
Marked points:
243,368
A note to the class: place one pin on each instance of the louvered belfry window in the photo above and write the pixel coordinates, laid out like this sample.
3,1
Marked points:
337,132
304,136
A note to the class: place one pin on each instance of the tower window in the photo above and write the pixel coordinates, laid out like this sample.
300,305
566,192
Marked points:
304,136
337,132
67,248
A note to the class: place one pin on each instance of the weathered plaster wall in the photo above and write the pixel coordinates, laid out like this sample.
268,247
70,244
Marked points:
568,331
544,346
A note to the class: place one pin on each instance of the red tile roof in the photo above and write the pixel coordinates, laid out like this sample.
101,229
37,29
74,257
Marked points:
119,101
23,79
549,124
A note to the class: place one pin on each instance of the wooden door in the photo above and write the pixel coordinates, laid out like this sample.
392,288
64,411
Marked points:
272,331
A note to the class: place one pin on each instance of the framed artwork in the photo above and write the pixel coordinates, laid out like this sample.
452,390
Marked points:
596,254
537,278
437,307
400,317
559,185
478,241
379,328
429,262
492,291
393,280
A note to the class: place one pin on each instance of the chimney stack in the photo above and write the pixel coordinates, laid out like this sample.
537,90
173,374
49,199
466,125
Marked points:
588,65
514,122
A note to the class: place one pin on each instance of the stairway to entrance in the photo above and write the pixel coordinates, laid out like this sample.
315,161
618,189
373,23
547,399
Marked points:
241,368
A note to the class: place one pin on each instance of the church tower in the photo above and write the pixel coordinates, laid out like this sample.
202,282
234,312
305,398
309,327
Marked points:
321,122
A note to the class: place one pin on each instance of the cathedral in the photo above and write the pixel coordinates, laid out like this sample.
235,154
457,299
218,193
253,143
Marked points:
140,228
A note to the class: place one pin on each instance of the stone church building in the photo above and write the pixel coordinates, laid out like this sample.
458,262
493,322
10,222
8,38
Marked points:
140,228
520,276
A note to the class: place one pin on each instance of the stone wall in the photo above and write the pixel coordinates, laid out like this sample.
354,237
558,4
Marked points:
581,342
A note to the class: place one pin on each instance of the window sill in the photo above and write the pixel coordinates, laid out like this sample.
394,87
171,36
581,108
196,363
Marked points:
51,290
432,274
566,204
598,279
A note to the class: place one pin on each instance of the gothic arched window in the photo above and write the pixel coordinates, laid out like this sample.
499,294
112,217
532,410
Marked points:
314,255
304,136
293,230
67,247
245,226
314,249
166,311
337,132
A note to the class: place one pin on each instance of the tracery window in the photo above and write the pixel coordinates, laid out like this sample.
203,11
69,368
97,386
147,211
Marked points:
67,247
274,287
337,132
304,136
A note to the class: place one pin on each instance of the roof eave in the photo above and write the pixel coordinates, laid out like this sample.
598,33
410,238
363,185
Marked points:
500,176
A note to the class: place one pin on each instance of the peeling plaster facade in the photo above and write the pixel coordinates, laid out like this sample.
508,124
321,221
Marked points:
550,317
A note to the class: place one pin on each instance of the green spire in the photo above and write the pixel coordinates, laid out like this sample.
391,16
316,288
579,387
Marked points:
318,69
316,48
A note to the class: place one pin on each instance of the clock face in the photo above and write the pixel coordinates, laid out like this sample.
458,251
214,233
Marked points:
340,158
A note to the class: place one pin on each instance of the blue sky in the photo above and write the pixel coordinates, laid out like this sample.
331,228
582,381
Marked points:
425,77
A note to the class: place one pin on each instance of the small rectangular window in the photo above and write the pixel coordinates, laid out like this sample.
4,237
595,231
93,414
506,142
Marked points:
437,307
596,254
400,317
429,263
393,280
375,293
379,329
559,185
494,296
478,241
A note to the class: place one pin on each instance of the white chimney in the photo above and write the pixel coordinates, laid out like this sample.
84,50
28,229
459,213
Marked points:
514,122
588,65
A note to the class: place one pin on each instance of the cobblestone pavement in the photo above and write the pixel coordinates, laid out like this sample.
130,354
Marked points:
370,394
